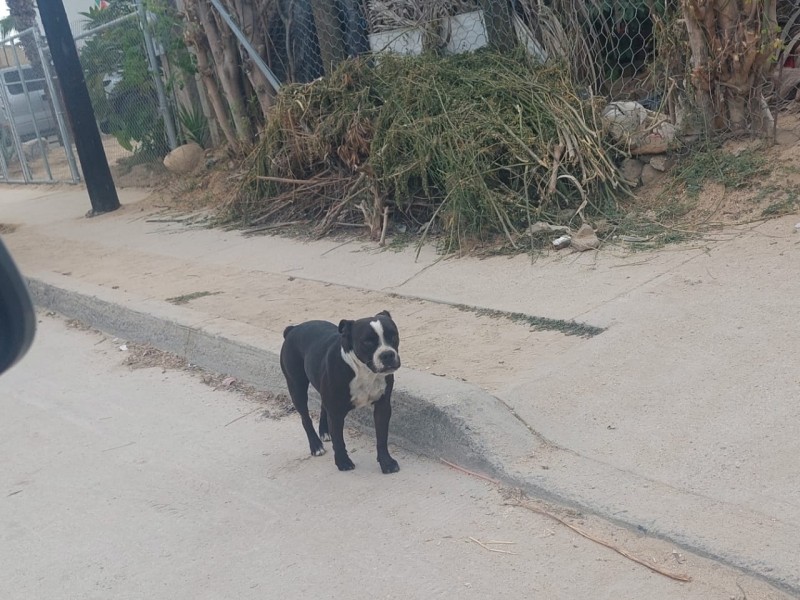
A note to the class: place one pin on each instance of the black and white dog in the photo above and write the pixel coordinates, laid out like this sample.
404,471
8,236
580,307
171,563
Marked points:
350,366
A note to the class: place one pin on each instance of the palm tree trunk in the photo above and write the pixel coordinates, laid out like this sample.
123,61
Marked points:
733,45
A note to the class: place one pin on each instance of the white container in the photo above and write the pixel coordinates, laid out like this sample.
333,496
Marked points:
467,32
400,41
464,33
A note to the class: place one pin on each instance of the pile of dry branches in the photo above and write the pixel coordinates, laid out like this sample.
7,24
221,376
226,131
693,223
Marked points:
472,146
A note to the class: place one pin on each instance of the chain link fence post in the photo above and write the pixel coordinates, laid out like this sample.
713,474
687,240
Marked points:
163,107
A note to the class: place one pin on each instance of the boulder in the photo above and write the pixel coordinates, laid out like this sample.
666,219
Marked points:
624,118
184,159
644,131
787,82
631,170
662,162
649,175
657,140
585,239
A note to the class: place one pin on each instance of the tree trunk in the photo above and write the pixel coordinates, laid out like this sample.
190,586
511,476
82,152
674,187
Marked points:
733,45
499,25
329,33
247,17
24,14
214,96
223,49
208,110
196,40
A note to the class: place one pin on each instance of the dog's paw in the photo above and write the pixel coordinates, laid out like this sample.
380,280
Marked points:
389,465
325,437
317,450
345,464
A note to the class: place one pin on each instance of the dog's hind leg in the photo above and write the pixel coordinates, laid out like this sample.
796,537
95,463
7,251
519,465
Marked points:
298,390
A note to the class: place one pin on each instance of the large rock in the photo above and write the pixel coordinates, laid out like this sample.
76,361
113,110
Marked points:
661,162
649,175
631,170
642,130
184,159
624,118
787,82
585,239
657,140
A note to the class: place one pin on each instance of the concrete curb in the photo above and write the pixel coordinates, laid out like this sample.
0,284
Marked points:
457,422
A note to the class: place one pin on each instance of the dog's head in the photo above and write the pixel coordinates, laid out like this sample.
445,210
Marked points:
374,341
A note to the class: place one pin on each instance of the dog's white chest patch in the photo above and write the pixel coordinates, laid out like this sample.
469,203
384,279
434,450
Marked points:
366,387
366,390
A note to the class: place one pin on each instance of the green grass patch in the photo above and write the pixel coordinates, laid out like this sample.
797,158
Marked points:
783,206
733,171
536,323
186,298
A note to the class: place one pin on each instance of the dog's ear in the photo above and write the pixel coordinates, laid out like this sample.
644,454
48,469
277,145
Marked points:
346,329
385,313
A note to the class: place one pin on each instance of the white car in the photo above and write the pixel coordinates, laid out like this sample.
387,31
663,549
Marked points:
25,110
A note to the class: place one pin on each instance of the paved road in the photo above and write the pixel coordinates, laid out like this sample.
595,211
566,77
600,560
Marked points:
121,483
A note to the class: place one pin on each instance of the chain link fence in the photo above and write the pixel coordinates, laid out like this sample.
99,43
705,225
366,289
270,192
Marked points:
599,88
133,112
634,57
308,37
123,91
34,137
621,51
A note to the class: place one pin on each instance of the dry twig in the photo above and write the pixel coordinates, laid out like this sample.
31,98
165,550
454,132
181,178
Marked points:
385,226
482,545
468,472
588,536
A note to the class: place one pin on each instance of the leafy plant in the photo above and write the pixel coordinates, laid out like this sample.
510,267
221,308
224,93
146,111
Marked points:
194,125
7,145
7,25
120,85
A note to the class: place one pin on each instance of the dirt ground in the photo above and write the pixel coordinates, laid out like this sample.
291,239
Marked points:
271,300
718,206
436,338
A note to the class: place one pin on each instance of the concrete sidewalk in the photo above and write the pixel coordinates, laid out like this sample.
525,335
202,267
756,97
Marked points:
680,418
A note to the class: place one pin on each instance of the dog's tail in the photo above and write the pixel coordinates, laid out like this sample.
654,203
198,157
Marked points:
287,330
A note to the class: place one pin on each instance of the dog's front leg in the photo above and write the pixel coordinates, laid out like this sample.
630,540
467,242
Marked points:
382,414
336,430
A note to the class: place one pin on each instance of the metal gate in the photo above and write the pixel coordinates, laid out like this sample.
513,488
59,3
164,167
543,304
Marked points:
35,142
128,97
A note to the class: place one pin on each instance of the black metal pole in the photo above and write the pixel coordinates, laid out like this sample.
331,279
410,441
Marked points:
92,155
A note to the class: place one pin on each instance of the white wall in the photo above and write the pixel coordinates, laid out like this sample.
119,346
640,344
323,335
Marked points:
74,8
